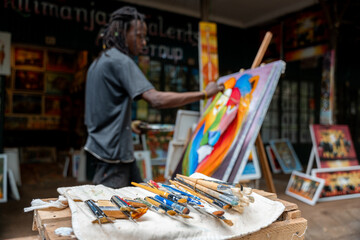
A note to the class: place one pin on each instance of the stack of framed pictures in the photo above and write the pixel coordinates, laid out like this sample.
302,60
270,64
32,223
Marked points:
337,175
37,93
336,161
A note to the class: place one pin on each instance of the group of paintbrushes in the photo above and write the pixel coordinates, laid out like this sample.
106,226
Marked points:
205,196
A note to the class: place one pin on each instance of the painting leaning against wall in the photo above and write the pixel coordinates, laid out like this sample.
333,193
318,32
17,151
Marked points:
3,178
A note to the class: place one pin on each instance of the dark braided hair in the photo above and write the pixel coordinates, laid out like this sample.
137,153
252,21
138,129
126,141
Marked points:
115,31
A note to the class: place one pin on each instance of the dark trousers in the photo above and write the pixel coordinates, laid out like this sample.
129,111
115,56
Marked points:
115,175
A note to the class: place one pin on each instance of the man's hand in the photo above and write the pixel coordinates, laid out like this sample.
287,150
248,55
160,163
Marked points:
135,126
213,88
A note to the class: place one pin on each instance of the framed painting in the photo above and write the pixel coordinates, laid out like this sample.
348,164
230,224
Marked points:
334,147
29,80
251,169
29,58
285,155
157,139
5,53
3,178
23,103
340,183
143,162
61,61
57,83
304,187
53,105
275,167
226,132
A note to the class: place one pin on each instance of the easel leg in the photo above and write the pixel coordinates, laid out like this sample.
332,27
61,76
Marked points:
311,161
264,164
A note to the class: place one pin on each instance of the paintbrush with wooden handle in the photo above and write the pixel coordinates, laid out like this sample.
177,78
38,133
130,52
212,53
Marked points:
161,193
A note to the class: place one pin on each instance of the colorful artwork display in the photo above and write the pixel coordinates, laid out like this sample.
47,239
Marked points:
3,178
340,183
275,166
286,155
334,147
29,58
208,54
29,80
143,162
304,187
217,141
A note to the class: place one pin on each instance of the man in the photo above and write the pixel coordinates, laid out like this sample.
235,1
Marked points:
113,82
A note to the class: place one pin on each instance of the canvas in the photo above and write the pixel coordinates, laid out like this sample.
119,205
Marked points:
3,178
5,54
334,147
304,187
286,155
29,58
143,162
340,183
218,140
275,167
251,169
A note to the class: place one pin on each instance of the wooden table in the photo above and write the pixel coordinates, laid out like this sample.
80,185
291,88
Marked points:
290,225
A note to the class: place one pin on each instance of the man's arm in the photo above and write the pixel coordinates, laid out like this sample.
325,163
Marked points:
159,99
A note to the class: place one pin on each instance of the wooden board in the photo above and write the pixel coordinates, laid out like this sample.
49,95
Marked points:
290,225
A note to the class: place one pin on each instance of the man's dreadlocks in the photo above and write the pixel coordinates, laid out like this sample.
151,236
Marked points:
115,32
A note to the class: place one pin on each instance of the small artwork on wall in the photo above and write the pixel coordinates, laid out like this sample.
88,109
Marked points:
28,58
61,61
53,105
57,83
29,80
26,103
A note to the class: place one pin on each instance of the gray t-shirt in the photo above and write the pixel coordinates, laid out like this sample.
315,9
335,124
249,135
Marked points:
113,82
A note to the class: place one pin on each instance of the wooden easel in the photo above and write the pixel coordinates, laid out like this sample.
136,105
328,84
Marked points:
259,143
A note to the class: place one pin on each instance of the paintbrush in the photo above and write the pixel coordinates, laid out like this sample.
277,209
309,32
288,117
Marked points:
227,199
190,198
123,206
169,196
152,207
99,214
168,210
179,191
178,208
210,199
211,185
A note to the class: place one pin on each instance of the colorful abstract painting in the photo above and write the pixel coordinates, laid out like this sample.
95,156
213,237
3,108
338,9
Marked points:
215,146
340,183
334,147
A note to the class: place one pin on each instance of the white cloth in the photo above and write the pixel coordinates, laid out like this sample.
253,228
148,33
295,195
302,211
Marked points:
152,225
